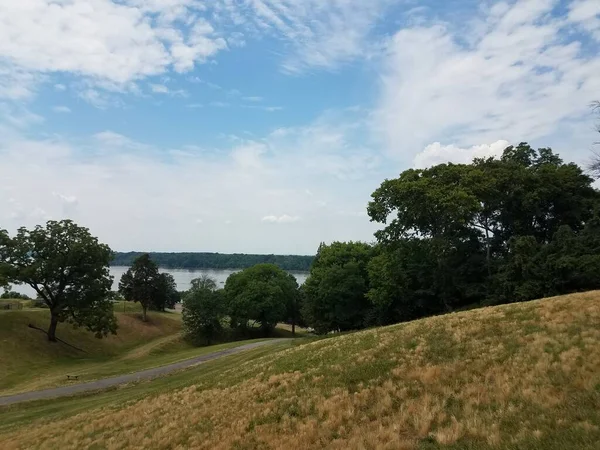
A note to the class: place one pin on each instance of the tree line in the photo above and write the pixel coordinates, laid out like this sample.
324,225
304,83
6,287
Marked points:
252,303
452,236
216,260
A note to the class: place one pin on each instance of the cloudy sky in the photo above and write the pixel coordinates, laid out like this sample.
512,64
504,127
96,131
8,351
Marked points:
264,125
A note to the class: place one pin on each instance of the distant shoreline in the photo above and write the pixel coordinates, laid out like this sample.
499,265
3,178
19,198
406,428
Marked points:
216,261
191,269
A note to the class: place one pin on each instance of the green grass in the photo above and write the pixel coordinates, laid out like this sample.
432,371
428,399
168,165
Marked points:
48,410
30,362
519,376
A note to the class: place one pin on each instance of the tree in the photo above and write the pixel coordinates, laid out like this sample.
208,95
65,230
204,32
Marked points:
460,234
260,293
141,283
293,309
166,295
69,270
568,263
203,310
335,291
204,281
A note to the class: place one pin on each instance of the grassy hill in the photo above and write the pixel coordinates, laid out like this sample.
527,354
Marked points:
30,362
520,376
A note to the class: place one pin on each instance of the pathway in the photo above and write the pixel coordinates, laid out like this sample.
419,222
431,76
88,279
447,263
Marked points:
147,374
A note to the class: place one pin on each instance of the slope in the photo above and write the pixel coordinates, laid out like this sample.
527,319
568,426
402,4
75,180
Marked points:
515,376
29,361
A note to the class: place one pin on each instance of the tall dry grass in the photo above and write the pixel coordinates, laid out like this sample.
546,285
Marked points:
515,376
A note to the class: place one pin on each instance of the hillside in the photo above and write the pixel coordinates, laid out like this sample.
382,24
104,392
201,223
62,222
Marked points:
30,362
523,375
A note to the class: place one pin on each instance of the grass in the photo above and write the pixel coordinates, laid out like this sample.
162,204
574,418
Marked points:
29,362
45,411
520,376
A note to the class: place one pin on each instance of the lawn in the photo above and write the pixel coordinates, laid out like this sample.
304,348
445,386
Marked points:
519,376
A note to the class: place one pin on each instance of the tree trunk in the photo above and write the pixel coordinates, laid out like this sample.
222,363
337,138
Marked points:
293,328
487,251
52,329
144,309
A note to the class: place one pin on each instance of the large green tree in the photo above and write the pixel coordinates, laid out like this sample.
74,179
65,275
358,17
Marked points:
449,229
68,269
335,291
203,310
261,294
141,283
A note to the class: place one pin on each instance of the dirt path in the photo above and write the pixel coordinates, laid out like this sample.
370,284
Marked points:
132,377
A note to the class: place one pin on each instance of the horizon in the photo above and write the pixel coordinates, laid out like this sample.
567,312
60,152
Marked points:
262,127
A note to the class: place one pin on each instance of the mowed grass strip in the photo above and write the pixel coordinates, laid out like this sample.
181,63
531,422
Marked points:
515,376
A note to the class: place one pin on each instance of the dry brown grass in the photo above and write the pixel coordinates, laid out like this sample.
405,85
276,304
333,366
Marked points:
514,376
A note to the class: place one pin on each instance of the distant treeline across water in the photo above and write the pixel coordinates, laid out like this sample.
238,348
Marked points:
216,260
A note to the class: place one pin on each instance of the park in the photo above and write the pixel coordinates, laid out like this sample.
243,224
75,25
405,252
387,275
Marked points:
472,322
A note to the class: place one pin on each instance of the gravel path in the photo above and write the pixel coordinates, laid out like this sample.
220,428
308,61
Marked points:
123,379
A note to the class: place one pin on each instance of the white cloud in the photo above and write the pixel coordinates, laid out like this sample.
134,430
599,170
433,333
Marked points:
264,108
220,104
253,99
104,40
159,88
61,109
163,89
17,117
586,13
112,184
437,153
99,99
280,219
517,78
68,199
318,34
60,87
15,83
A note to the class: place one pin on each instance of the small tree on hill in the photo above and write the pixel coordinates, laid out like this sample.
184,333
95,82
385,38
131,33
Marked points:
141,283
69,270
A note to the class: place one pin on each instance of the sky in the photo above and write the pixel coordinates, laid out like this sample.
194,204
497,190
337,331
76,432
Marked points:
264,126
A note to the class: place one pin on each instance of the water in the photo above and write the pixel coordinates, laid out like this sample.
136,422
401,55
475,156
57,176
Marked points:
183,277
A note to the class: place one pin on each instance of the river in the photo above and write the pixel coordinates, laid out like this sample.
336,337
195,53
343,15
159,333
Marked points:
183,277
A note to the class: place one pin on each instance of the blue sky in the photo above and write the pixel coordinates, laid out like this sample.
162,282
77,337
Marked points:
264,125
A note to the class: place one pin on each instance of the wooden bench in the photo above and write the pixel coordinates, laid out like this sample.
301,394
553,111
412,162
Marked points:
72,377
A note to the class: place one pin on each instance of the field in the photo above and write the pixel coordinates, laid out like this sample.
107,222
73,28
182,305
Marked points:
521,376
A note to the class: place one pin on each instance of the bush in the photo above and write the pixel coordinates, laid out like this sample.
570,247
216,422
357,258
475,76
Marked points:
14,295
